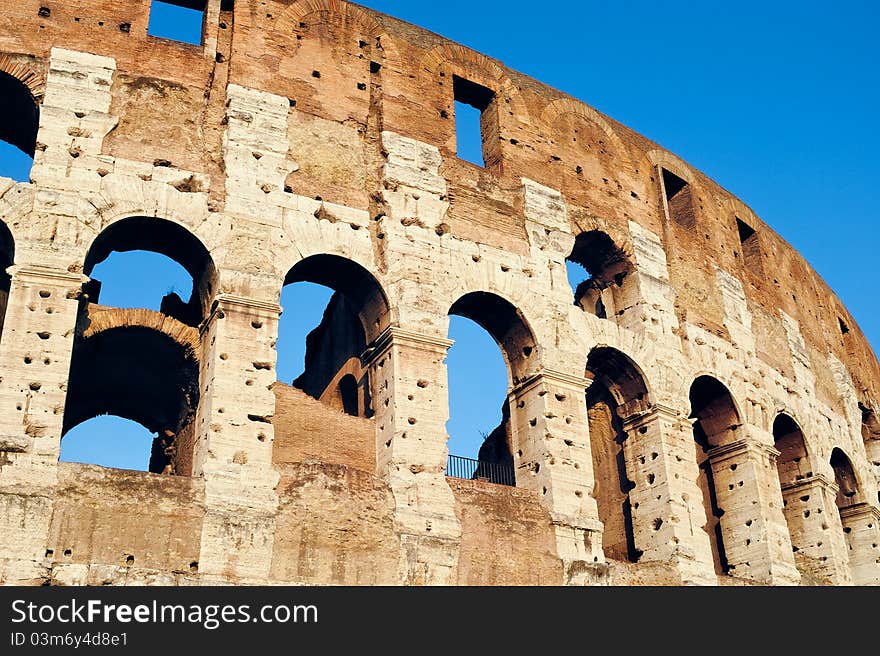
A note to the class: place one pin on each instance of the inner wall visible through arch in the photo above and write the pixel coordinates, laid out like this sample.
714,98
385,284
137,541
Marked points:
477,379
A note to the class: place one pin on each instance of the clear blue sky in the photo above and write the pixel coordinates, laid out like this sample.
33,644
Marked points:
775,101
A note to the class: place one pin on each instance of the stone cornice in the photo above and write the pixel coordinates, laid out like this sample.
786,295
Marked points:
241,303
394,336
559,378
656,411
740,447
816,480
860,511
24,271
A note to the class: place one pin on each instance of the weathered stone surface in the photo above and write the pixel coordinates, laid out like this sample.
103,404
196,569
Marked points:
731,436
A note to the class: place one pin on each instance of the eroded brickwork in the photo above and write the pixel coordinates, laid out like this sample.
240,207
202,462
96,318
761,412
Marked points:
700,411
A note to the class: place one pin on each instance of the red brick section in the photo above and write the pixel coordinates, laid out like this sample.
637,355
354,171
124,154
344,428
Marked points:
306,430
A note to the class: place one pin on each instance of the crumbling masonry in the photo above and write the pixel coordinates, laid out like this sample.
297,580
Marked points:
702,410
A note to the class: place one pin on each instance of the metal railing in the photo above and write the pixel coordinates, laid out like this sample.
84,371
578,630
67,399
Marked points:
480,470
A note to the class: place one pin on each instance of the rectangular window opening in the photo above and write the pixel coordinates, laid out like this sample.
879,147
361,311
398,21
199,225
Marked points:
679,199
475,127
178,20
751,248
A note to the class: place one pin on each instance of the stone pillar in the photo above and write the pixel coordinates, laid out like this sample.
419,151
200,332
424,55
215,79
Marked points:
756,540
551,451
35,357
817,537
861,528
234,452
667,511
408,385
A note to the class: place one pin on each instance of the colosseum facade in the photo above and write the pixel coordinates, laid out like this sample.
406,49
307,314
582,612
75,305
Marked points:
701,410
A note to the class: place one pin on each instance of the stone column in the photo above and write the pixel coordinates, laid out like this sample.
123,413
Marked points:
817,537
35,357
408,385
235,447
551,452
861,528
753,527
667,512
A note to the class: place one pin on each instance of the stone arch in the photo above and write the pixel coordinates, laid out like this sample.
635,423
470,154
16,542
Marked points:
611,287
508,327
22,89
677,188
715,408
618,392
735,207
568,106
299,12
20,110
139,366
476,67
30,77
797,486
623,378
167,238
849,492
300,17
511,332
716,418
121,199
793,463
465,59
357,315
351,279
670,162
871,438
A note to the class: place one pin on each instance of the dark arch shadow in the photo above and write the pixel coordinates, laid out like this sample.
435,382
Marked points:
606,293
19,114
143,375
7,259
717,418
617,392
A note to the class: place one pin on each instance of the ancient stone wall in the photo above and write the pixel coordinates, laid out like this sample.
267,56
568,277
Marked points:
314,140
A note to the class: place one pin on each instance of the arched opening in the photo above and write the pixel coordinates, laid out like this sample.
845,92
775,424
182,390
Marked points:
715,422
136,355
617,392
109,441
141,374
845,478
333,309
478,382
479,417
348,395
19,122
792,467
142,254
600,273
871,438
7,258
